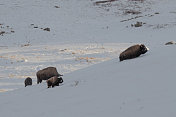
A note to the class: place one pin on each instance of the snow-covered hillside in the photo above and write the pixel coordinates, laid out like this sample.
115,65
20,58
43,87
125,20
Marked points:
140,87
83,39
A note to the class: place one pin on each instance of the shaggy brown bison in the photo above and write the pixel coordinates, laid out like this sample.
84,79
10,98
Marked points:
46,73
28,81
54,81
133,52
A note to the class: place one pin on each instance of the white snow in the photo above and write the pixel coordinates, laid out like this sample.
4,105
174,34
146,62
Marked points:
84,43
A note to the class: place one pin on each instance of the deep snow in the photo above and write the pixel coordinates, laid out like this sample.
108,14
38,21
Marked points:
83,44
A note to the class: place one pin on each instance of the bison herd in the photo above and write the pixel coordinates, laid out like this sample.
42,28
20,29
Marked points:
50,74
53,78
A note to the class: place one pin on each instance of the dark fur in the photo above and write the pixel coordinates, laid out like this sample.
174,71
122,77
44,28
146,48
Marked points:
133,52
28,81
54,81
46,73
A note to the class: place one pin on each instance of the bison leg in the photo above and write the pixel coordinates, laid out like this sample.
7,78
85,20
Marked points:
57,84
49,84
39,80
121,58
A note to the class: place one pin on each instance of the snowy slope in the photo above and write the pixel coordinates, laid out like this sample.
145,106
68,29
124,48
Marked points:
139,87
18,63
84,42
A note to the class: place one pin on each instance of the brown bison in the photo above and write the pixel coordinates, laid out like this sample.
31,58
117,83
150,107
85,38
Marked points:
54,81
28,81
46,73
133,52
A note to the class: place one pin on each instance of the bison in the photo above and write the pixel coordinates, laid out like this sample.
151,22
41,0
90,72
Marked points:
54,81
46,73
28,81
133,52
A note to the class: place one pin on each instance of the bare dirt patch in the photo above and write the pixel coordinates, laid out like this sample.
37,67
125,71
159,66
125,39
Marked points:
37,27
124,7
5,29
138,24
104,1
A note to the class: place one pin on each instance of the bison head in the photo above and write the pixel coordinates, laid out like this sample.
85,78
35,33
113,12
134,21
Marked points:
143,49
60,80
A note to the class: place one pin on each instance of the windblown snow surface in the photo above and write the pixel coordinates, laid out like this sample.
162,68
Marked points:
84,43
